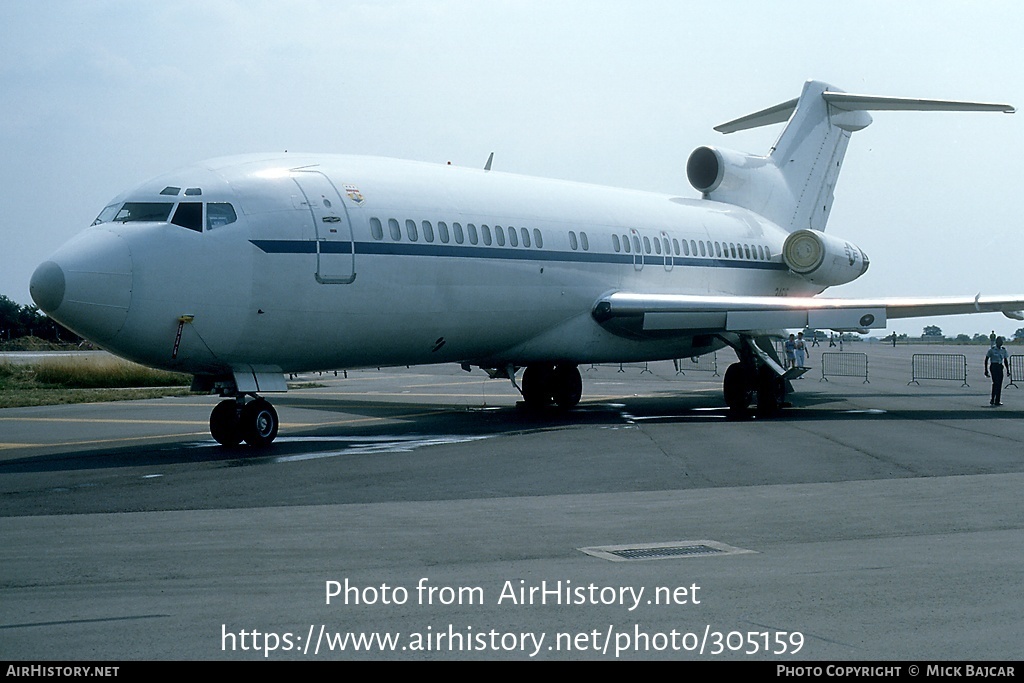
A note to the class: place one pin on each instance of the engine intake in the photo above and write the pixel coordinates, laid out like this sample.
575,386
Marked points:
822,259
736,178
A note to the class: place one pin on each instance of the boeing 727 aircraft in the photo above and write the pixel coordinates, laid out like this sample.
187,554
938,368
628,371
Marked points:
237,270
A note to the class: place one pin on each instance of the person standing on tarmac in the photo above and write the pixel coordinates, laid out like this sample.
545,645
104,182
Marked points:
995,360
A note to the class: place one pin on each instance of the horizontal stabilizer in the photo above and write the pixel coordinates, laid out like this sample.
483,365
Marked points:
851,102
780,113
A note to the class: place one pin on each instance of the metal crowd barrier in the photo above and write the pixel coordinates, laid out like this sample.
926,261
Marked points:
844,365
938,366
1016,369
706,363
621,366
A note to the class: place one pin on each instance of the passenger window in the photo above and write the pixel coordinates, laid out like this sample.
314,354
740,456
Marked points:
442,231
636,244
499,235
657,247
615,243
760,252
457,229
746,250
718,249
471,229
732,249
768,253
410,230
702,252
584,242
572,241
376,230
486,233
693,247
428,231
675,245
189,215
526,236
625,244
512,239
538,238
219,214
396,232
647,245
686,248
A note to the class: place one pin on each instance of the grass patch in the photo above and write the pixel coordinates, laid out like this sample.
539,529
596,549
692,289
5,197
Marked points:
84,380
104,373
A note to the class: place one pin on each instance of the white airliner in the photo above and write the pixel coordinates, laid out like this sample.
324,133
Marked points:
239,269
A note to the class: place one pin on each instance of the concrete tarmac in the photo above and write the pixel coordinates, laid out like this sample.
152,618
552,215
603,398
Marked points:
870,521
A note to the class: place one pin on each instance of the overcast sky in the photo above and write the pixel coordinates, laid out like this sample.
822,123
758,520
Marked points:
98,96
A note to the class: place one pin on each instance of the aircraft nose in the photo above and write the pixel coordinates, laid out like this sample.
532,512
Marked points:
87,284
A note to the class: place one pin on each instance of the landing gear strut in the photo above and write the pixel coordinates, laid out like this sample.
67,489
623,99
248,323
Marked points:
547,384
235,420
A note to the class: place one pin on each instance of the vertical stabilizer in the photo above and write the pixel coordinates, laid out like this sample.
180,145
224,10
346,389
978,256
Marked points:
793,186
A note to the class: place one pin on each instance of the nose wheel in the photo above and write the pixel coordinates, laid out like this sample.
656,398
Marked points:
235,420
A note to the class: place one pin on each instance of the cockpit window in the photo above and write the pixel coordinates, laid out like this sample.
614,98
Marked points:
218,214
107,214
132,212
189,215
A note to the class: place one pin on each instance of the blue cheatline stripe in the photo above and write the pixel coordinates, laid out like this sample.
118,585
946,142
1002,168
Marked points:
499,253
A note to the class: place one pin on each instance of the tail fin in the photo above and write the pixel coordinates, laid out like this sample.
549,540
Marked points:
793,186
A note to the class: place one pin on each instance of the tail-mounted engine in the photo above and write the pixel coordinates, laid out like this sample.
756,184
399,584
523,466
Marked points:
822,259
736,178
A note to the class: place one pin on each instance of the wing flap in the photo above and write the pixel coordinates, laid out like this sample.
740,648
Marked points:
750,313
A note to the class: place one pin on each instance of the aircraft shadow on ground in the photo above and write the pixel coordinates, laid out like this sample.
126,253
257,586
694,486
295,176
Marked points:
375,424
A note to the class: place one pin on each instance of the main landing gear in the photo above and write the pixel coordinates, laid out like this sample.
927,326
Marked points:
235,420
757,378
746,384
544,385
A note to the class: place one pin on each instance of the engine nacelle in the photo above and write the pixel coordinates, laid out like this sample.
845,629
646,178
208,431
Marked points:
736,178
822,259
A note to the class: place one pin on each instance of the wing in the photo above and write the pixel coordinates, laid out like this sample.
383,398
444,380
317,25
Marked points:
751,314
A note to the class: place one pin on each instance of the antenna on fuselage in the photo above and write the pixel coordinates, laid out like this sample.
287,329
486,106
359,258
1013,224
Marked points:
487,166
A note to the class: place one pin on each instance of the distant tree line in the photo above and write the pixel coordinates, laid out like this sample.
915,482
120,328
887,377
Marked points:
26,321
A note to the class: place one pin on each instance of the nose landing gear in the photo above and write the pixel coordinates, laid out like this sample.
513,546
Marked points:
236,420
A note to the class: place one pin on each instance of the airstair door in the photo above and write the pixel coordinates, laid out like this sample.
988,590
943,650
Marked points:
335,243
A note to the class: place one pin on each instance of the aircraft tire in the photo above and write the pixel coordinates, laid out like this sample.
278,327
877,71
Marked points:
538,381
566,386
259,423
770,392
738,387
224,424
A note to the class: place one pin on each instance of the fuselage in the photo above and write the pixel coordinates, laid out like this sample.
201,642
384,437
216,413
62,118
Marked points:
285,263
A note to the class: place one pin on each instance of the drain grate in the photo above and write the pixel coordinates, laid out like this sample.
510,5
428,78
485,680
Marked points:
662,551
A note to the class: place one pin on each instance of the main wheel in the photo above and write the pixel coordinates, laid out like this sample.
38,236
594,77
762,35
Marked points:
771,392
258,423
738,387
537,385
566,386
224,423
